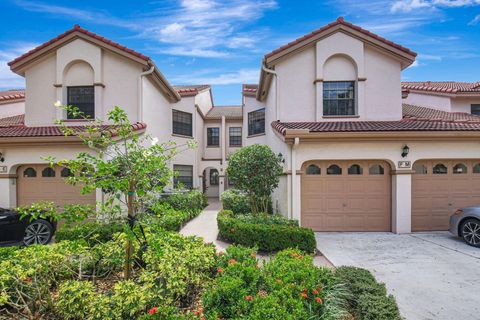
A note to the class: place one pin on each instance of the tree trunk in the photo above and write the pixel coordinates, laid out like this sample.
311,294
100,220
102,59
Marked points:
127,268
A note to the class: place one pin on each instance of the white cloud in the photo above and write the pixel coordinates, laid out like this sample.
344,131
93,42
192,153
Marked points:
429,57
475,20
8,79
412,5
211,77
194,52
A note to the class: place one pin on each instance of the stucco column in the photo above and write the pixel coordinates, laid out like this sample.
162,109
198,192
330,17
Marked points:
6,184
402,201
223,140
295,182
221,184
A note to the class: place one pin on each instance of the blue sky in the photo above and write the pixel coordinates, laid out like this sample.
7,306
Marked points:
221,42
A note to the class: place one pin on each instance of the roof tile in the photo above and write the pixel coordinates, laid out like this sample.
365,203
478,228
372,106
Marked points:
443,86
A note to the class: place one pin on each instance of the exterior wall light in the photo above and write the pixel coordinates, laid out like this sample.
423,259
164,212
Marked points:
405,151
281,158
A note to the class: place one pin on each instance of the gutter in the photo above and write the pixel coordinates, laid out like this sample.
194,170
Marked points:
140,92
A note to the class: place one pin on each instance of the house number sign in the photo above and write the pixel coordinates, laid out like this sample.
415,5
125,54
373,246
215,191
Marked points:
404,164
3,169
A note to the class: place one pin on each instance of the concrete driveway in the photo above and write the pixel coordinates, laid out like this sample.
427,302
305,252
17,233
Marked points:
432,275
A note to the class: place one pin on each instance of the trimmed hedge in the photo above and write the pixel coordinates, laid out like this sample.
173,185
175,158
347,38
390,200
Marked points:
268,233
192,201
92,232
369,299
235,200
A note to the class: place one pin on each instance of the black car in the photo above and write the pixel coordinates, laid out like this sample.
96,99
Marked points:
14,230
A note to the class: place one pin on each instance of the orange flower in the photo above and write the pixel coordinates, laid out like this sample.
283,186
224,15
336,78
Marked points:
219,270
303,295
28,279
315,291
153,310
319,301
248,298
278,281
232,261
254,254
232,229
198,312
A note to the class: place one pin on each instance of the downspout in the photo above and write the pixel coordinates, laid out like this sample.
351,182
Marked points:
293,170
275,74
140,92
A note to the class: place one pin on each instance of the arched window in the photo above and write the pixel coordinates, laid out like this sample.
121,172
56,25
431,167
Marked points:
460,168
376,169
420,168
65,173
440,169
355,169
476,168
213,177
48,172
313,169
29,173
334,170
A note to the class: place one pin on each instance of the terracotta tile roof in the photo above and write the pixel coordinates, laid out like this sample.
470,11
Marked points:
424,113
443,86
249,89
11,95
415,119
15,127
77,28
341,21
14,121
230,112
190,90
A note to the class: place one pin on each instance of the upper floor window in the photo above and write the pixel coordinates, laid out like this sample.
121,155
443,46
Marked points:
339,98
84,99
235,136
475,109
182,123
256,122
183,176
213,137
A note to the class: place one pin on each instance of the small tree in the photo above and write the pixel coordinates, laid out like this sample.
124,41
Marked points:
129,168
255,170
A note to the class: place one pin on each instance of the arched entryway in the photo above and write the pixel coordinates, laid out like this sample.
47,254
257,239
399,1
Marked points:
211,182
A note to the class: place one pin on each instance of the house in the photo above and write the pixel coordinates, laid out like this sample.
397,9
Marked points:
361,151
356,157
446,95
93,73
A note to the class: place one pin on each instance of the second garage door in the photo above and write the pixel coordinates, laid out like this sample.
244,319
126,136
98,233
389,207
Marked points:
40,182
439,187
346,196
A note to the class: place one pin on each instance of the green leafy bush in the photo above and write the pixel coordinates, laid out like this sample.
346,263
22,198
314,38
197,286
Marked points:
368,299
256,170
288,287
236,201
166,217
192,201
266,232
92,232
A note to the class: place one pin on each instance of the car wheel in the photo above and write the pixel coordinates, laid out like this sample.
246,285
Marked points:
38,232
470,229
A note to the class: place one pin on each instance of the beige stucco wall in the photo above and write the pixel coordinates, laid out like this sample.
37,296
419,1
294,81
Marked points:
12,109
464,104
427,100
232,124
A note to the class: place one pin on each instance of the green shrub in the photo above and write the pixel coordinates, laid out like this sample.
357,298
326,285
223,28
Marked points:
236,201
368,299
75,299
288,287
7,252
192,201
266,232
93,232
166,217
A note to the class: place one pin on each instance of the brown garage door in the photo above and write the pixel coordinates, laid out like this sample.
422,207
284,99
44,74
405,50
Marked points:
40,182
346,196
439,187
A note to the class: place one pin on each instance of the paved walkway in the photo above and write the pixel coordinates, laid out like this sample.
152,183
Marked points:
205,226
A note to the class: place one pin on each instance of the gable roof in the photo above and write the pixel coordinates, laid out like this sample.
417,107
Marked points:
341,25
401,53
230,112
448,87
10,96
19,64
415,119
190,90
